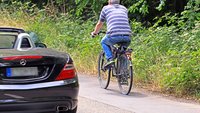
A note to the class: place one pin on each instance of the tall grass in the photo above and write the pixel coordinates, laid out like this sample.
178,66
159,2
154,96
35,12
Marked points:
165,58
169,59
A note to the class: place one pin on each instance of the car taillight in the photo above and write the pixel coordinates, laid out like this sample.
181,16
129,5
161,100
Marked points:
22,57
67,72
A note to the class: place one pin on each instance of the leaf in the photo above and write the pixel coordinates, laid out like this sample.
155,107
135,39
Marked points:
77,1
161,5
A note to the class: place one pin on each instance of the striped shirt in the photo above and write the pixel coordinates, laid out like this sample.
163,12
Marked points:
116,17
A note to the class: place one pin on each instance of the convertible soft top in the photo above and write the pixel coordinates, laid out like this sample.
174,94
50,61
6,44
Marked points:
9,29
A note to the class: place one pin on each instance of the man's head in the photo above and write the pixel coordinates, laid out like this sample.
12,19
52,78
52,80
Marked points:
113,1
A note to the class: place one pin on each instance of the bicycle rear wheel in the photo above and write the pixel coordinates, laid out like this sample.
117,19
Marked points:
103,74
125,78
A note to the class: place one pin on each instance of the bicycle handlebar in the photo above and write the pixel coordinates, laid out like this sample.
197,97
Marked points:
100,32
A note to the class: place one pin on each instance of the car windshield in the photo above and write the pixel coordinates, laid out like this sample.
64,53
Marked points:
7,41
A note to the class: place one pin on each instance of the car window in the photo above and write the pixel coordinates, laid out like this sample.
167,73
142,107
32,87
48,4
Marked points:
25,43
7,41
34,37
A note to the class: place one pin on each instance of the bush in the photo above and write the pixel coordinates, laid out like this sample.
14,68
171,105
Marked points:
168,59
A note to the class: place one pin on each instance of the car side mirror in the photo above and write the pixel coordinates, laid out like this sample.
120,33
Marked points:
40,45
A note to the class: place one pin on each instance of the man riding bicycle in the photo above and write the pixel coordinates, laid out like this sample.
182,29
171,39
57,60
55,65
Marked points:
118,28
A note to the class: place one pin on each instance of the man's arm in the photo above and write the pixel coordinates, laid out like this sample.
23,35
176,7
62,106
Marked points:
98,27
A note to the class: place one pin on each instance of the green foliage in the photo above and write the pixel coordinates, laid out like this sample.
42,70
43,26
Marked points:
161,5
95,5
187,20
141,10
182,75
164,56
191,14
141,6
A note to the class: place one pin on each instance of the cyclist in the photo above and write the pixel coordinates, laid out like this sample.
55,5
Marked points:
118,28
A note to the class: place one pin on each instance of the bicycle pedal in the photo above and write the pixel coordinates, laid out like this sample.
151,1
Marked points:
104,70
108,67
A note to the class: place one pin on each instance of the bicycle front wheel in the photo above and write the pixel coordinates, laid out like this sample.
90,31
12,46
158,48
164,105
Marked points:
125,78
103,74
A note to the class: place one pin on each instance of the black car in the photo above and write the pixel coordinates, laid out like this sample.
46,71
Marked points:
35,79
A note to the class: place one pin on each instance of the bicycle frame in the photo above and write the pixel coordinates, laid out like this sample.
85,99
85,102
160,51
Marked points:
122,69
118,51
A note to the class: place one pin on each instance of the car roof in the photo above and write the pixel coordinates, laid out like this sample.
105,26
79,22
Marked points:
11,30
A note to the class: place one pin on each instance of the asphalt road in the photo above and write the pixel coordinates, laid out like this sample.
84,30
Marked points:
92,106
93,99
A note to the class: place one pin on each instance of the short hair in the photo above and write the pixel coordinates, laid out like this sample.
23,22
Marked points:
114,1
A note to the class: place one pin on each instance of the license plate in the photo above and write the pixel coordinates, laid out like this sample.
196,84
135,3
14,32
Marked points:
21,71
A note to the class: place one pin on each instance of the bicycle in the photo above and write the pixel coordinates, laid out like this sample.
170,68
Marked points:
122,69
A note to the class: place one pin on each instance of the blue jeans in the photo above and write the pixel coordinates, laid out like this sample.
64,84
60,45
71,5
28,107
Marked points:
108,41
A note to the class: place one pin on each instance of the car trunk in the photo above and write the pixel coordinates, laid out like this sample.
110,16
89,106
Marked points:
33,66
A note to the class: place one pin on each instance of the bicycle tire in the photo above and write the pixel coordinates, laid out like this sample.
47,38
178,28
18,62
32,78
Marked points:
103,75
125,79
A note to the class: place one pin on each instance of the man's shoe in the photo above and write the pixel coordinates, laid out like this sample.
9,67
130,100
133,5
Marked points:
109,63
